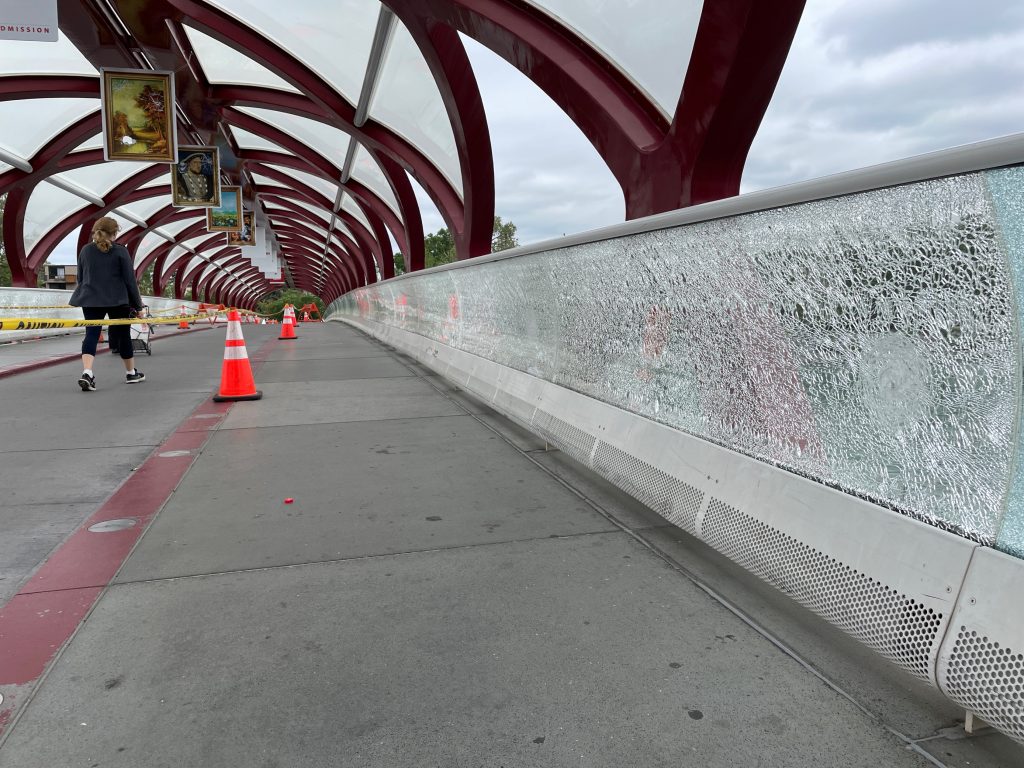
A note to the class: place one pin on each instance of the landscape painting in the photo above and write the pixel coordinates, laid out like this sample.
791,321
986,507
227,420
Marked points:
138,115
228,216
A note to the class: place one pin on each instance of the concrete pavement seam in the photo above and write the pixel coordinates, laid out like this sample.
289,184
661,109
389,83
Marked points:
792,654
358,558
22,707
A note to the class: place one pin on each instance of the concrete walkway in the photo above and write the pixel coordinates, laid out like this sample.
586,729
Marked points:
442,591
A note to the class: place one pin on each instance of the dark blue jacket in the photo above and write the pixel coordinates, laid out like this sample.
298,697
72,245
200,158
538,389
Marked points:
106,279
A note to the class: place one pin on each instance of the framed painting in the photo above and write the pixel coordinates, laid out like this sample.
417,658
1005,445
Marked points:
247,235
226,217
137,108
195,178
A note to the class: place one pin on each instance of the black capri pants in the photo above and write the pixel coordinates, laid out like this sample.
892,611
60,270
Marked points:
120,335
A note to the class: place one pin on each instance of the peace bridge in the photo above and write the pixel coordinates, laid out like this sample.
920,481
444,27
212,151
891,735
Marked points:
735,482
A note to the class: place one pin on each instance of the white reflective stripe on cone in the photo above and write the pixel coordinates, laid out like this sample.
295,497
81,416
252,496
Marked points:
235,353
234,330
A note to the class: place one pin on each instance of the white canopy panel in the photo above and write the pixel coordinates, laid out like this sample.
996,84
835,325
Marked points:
23,137
329,142
366,171
331,37
650,41
223,64
407,101
247,140
47,207
100,178
61,57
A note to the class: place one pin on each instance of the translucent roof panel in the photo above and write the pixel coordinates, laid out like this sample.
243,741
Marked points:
320,230
196,240
223,64
407,101
47,207
96,142
33,58
332,37
29,126
161,180
649,42
4,167
348,205
318,212
319,183
150,243
172,228
248,140
267,184
143,209
366,171
329,142
102,177
122,222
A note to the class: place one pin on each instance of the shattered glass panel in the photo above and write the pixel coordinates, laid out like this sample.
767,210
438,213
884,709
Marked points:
1005,188
870,342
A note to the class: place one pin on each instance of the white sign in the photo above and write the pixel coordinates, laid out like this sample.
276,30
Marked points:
28,20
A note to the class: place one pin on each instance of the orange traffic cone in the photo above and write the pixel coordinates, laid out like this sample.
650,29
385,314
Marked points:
236,381
183,323
287,329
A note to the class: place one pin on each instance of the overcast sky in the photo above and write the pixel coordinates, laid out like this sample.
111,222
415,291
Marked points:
865,83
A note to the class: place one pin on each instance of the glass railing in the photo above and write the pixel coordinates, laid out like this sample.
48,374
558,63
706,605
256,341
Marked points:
31,303
870,341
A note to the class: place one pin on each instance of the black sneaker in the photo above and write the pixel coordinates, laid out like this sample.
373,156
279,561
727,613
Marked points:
135,378
87,382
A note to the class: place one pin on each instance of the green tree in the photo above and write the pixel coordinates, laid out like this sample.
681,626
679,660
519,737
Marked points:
146,281
273,305
503,236
399,264
439,247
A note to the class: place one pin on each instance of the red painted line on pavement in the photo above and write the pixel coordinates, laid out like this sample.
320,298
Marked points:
46,362
37,622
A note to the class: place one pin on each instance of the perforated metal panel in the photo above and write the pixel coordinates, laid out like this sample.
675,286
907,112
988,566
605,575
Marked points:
900,628
988,678
571,440
676,501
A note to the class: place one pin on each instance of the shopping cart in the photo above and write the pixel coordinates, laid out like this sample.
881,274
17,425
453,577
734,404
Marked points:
141,333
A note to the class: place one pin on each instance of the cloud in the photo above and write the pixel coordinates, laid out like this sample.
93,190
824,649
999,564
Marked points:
548,179
882,80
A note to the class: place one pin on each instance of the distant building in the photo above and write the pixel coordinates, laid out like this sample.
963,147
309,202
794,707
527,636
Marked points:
62,276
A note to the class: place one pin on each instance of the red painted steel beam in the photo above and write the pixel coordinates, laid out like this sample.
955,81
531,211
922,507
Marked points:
737,58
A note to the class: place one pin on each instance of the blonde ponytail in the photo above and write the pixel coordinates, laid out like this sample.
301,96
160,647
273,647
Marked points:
103,233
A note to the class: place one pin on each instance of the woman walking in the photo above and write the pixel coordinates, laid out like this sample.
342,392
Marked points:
106,288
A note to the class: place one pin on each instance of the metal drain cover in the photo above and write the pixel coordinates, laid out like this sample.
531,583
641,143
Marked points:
107,526
173,454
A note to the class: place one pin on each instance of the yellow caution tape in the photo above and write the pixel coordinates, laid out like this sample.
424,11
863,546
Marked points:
42,323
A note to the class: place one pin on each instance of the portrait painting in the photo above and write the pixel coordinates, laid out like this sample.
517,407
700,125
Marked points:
227,217
245,236
138,115
195,178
